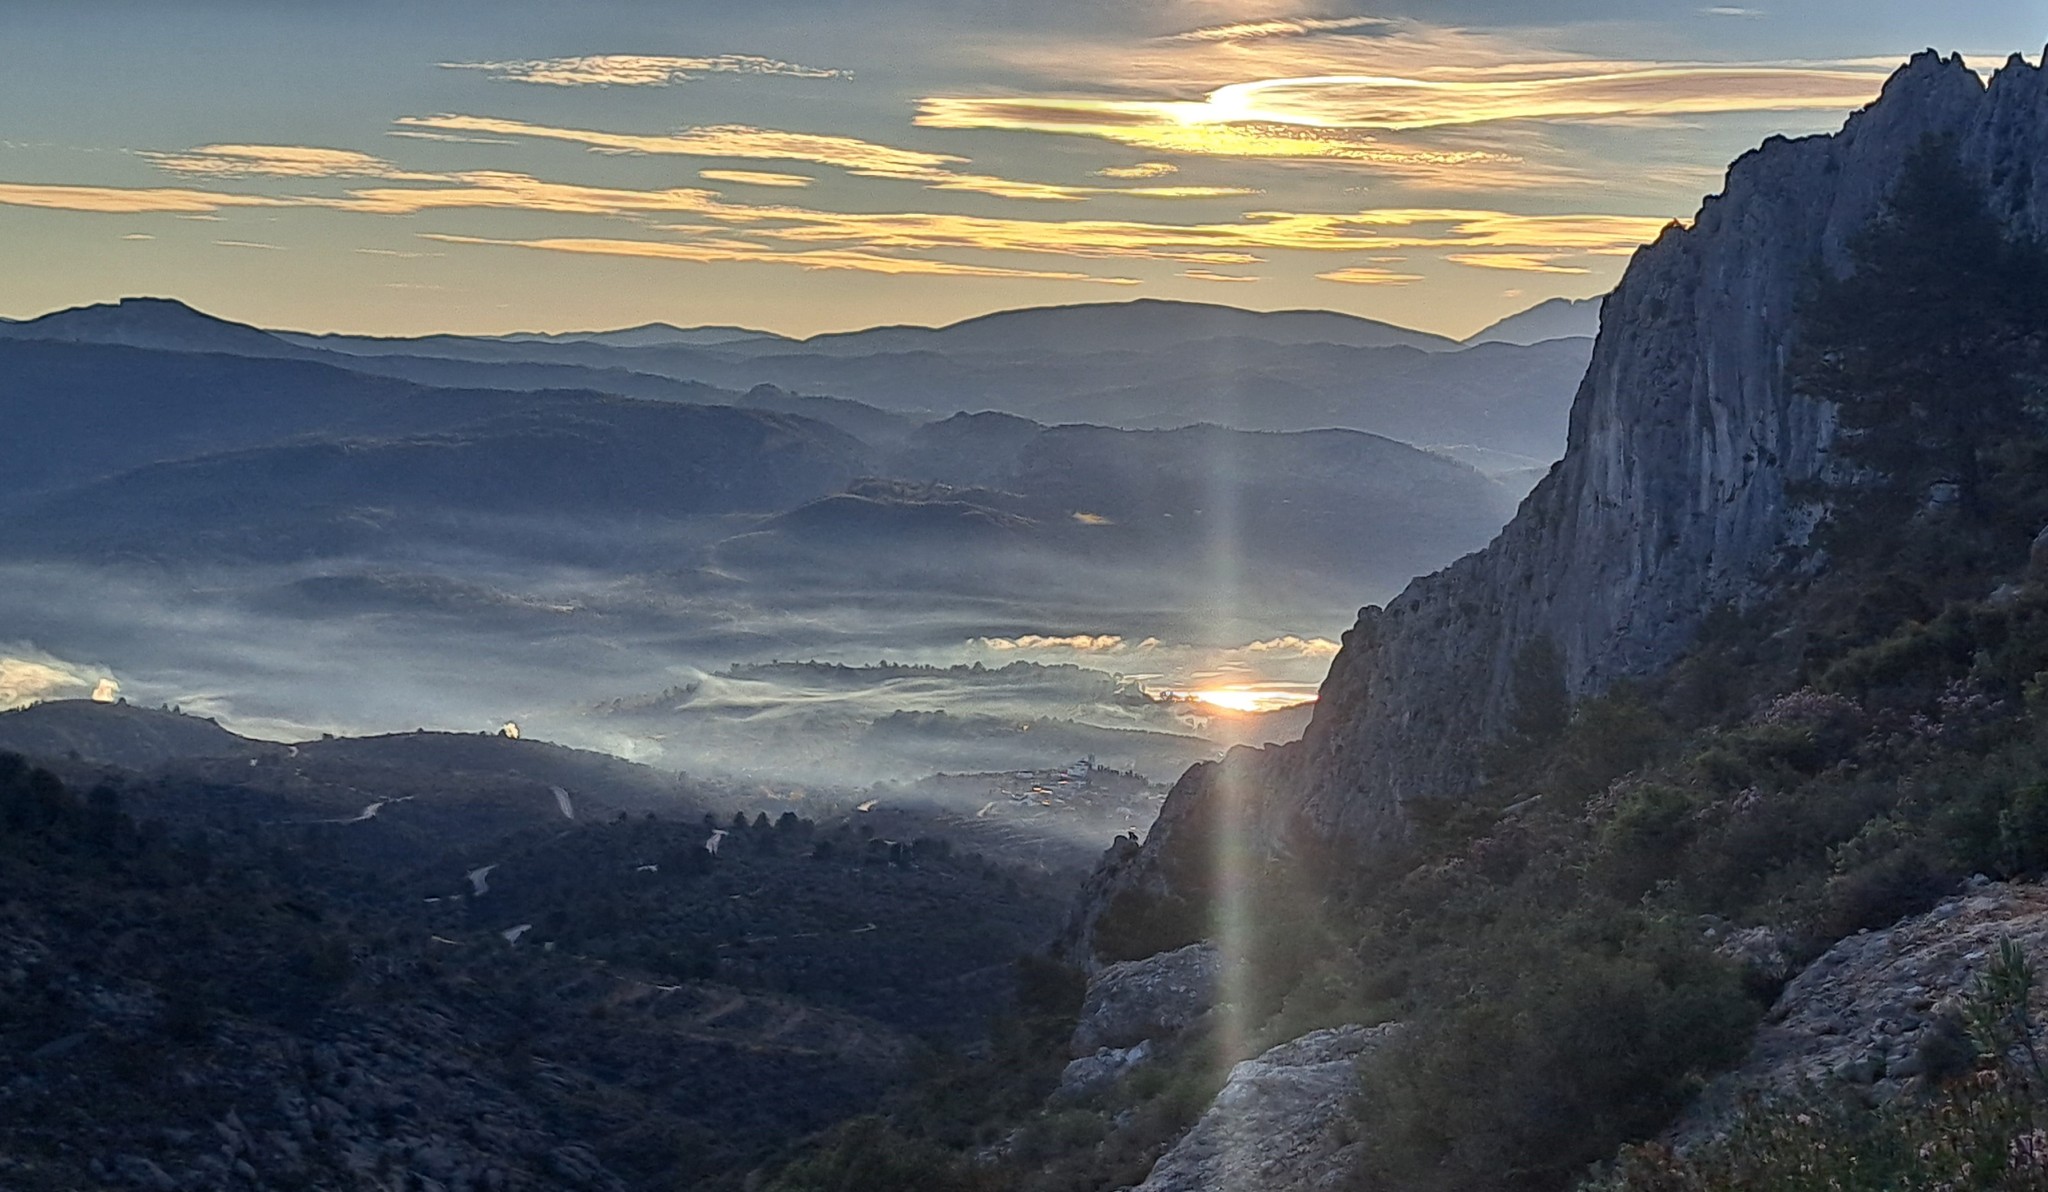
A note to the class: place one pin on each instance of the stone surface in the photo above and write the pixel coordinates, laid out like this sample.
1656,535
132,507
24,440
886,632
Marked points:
1672,496
1135,1000
1091,1074
1278,1125
1859,1012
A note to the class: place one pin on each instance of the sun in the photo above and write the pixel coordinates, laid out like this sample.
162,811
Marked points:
1251,699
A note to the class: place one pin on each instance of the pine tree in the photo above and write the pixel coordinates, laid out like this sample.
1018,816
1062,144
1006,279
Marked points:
1924,346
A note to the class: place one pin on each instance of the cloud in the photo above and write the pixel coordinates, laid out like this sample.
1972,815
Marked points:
1178,127
861,158
1347,117
756,178
270,161
1519,262
138,236
1144,169
28,675
1369,275
250,244
639,70
392,252
714,252
903,242
1281,27
447,138
1304,647
1086,643
1206,275
119,200
726,140
1724,11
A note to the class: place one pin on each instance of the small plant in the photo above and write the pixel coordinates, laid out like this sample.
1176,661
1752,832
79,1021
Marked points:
1999,1016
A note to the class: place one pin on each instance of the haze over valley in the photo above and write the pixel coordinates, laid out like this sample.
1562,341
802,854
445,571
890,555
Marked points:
1199,596
603,538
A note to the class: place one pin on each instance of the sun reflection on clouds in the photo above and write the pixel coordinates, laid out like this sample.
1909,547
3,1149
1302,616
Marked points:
1253,699
1345,116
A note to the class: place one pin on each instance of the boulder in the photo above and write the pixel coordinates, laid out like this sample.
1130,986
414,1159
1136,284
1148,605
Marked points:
1862,1013
1135,1000
1091,1074
1279,1123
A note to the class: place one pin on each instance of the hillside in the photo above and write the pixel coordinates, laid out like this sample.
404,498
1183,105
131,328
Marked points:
196,954
1699,777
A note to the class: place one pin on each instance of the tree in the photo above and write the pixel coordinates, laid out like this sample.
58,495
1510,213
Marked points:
1924,346
1540,702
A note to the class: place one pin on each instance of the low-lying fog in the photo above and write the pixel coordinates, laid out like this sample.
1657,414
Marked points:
1146,674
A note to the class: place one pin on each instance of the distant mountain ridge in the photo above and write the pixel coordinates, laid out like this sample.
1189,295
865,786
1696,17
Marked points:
1107,325
1556,318
1147,364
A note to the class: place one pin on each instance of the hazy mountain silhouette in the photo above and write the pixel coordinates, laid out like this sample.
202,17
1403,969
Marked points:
1109,326
1556,318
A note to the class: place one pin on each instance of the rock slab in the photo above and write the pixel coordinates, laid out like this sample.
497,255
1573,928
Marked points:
1154,998
1859,1013
1279,1123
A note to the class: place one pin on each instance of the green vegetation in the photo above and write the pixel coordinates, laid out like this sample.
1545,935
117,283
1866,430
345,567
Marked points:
1987,1127
1835,757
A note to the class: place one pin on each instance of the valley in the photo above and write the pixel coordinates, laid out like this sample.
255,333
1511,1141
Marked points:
532,702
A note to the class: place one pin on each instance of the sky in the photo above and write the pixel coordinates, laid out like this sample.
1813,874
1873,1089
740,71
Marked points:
484,166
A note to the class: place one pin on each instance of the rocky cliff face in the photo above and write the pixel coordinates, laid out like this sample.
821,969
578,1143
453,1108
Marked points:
1672,496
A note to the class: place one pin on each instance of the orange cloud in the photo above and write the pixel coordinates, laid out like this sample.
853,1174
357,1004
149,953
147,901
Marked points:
756,178
117,200
1519,262
1207,275
1369,275
271,161
714,252
1281,27
862,158
1343,117
1144,169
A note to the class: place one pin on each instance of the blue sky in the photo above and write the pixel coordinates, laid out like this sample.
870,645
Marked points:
809,166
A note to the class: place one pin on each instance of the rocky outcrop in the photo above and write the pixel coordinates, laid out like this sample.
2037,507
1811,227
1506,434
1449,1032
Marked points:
1091,1074
1280,1122
1674,494
1136,1000
1868,1011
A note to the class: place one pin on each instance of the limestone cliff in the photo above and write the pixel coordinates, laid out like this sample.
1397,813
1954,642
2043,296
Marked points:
1672,496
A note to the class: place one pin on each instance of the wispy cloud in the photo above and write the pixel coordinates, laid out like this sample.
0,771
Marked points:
1306,647
861,158
1346,117
1086,643
1144,169
715,252
1281,27
270,161
119,200
1369,275
250,244
138,236
757,178
1518,262
446,138
713,227
639,70
726,140
392,252
1208,275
